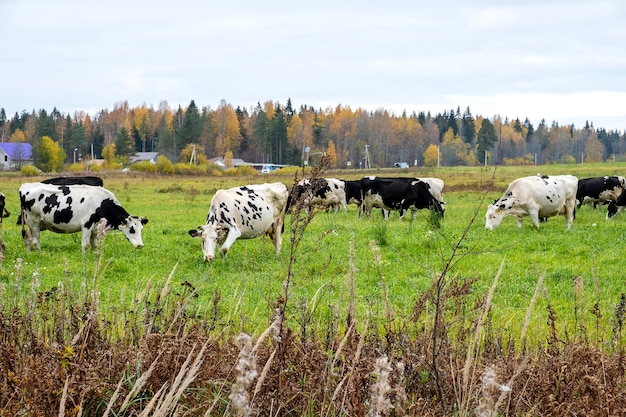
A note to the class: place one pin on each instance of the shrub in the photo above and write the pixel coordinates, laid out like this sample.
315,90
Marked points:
144,166
29,170
164,165
76,167
247,170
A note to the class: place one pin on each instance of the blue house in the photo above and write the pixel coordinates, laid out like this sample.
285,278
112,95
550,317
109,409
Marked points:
15,155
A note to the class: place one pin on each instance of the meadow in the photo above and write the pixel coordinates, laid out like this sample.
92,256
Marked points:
554,286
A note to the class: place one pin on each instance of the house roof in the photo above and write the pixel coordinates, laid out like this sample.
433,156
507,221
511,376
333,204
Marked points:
17,150
144,156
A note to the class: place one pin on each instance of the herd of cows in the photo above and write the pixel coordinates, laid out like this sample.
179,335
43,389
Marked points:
82,204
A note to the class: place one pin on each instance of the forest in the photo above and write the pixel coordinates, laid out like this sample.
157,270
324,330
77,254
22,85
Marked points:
275,133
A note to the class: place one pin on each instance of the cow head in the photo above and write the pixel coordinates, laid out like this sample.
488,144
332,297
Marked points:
131,226
211,236
495,214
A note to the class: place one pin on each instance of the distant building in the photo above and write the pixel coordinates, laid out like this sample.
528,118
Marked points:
144,156
236,162
15,155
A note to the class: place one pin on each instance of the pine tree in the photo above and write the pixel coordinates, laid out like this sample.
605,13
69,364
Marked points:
485,139
192,126
124,144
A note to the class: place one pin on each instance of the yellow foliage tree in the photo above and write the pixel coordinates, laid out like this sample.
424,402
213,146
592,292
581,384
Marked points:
228,159
331,153
108,153
199,157
51,155
431,155
18,136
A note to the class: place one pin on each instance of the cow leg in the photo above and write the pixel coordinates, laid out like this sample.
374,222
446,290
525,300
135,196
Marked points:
86,239
534,217
233,234
32,236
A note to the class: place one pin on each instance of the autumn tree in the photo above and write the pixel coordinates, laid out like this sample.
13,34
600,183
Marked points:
594,150
193,153
50,155
18,136
331,154
431,156
108,153
226,125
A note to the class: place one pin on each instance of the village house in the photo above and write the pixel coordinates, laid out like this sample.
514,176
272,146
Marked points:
15,155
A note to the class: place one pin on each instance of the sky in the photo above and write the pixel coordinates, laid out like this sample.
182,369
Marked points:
560,61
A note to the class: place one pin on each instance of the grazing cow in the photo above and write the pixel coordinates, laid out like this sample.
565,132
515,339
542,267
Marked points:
599,190
537,197
87,180
325,192
616,207
74,208
243,212
397,194
353,191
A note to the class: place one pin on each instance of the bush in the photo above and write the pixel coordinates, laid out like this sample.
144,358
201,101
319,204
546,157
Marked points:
76,167
164,165
144,166
29,170
247,170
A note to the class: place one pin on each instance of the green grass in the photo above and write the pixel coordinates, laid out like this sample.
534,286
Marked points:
411,254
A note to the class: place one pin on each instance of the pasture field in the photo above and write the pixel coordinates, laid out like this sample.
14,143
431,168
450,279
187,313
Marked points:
355,317
395,262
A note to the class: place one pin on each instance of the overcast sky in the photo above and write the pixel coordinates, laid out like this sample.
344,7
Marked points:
562,61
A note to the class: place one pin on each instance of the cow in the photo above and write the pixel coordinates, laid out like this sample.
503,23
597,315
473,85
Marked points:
74,208
435,187
537,196
243,212
353,191
397,194
324,192
87,180
615,207
599,189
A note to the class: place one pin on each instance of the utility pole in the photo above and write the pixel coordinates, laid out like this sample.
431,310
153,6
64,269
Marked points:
367,157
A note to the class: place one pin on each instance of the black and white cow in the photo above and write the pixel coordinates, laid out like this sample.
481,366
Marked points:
599,189
397,194
324,192
537,196
616,207
75,208
86,180
353,191
243,213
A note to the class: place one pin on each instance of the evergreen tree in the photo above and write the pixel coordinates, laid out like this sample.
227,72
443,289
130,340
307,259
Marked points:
278,137
46,126
468,129
485,139
124,144
192,126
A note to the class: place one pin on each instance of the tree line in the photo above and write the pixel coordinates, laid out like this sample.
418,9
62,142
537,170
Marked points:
280,134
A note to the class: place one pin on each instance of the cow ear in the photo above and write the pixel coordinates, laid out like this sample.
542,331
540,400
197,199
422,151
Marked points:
218,228
194,233
144,220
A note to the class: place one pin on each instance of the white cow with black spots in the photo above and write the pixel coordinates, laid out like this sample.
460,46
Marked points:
538,196
243,212
74,208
